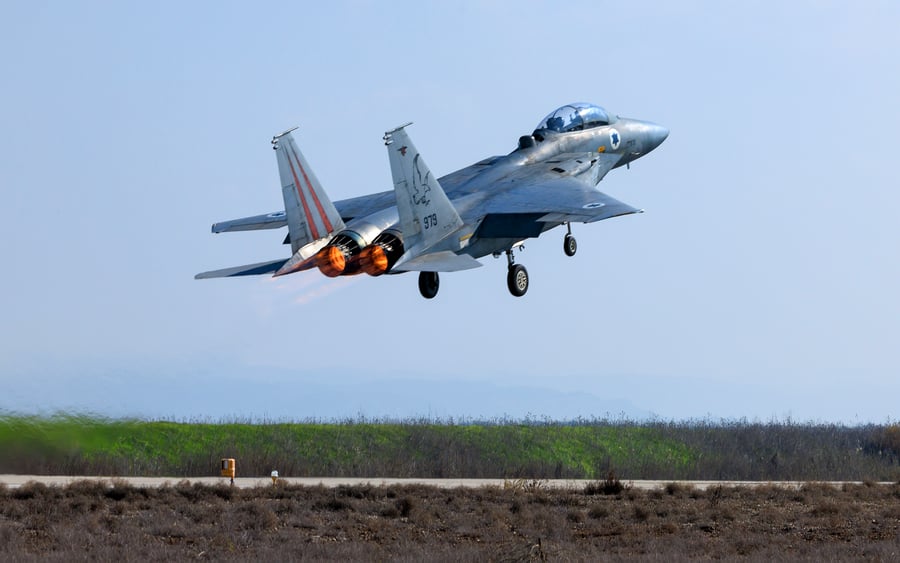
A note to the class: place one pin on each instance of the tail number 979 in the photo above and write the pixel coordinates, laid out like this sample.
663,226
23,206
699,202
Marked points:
430,221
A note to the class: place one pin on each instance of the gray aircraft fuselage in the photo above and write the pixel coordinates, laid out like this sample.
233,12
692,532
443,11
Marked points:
469,187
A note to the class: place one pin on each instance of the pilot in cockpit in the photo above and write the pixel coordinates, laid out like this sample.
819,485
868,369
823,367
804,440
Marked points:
555,123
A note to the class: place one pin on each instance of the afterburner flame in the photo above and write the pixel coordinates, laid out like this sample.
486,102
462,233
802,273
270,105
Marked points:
374,260
331,261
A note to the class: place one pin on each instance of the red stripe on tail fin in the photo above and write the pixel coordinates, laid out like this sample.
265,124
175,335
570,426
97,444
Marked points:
315,197
312,224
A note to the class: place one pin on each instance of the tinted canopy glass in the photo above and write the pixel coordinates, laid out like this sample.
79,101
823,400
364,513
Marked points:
574,117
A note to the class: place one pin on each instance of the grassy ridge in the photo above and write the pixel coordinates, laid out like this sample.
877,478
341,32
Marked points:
66,444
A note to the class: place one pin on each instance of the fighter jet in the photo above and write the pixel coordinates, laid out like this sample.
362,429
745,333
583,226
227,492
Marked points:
431,225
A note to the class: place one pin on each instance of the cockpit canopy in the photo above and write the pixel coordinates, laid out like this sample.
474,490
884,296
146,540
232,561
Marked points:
575,117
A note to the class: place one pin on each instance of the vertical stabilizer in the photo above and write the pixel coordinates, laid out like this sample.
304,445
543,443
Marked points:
426,214
310,214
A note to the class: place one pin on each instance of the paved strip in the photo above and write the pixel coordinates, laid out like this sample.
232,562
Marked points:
16,481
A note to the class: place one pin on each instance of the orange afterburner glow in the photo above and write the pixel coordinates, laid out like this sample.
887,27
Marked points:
331,261
374,260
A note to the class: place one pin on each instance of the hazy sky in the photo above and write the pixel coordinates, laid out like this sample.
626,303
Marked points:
761,282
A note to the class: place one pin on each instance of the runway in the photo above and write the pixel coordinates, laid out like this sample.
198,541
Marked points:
16,481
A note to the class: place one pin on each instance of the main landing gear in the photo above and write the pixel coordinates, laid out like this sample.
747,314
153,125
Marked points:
516,276
429,283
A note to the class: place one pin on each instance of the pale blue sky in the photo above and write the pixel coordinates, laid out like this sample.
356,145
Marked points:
761,281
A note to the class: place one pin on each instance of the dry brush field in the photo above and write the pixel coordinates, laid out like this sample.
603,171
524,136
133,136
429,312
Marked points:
521,521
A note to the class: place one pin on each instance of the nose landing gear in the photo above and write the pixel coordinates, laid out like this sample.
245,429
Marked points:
570,245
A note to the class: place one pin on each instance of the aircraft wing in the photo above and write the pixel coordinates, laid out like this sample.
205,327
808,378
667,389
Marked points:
559,201
559,191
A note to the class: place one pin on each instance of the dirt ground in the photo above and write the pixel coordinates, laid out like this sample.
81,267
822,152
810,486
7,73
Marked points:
520,521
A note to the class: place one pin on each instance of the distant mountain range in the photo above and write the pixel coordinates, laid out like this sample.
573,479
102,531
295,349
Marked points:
280,394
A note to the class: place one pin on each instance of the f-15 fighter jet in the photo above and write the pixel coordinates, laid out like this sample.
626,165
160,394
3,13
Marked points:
430,225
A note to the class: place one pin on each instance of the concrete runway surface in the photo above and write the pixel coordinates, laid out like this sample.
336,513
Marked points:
15,481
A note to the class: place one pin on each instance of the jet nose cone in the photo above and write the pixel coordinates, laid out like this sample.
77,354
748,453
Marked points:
656,135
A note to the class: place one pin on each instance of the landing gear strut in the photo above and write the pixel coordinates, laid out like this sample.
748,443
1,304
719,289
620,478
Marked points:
516,277
429,283
570,245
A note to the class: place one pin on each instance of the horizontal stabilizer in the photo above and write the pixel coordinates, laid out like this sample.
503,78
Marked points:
248,270
445,261
303,259
257,222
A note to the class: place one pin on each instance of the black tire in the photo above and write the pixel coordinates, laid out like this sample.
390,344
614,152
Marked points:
517,280
429,283
570,245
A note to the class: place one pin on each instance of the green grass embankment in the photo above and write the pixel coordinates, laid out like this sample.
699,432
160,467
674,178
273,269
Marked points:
83,445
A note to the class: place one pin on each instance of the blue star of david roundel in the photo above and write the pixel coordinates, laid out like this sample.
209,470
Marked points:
614,139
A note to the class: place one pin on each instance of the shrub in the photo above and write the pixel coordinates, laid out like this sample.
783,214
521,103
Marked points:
609,486
598,511
405,506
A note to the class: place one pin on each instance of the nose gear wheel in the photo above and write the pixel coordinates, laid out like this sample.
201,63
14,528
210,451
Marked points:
570,245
